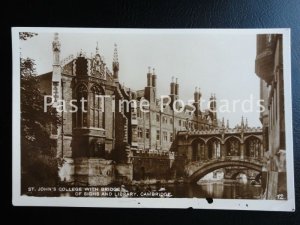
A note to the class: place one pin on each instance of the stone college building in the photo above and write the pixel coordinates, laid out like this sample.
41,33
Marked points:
104,141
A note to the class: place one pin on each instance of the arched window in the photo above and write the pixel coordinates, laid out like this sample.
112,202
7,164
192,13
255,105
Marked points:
198,151
253,146
96,110
81,116
233,147
214,148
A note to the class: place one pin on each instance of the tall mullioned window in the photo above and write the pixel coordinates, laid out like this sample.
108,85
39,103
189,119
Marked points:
81,116
253,146
96,111
233,147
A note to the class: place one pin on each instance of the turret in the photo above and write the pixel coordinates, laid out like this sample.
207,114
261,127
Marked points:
223,123
213,108
197,99
56,50
176,87
56,75
150,89
154,78
196,95
172,87
149,77
212,101
174,90
115,64
242,123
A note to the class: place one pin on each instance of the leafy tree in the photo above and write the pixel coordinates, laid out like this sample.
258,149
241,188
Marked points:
26,35
38,156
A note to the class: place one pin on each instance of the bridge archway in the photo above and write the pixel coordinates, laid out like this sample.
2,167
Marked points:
216,164
232,136
252,135
214,137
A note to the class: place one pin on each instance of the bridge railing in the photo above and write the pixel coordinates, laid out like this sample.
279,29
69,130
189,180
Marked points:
245,158
229,158
191,167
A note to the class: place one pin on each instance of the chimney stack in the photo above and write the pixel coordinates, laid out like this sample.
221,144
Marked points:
149,77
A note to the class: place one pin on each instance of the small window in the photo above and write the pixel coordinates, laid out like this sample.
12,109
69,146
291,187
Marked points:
179,122
157,118
165,119
140,132
133,114
165,135
157,135
139,113
147,133
171,120
171,137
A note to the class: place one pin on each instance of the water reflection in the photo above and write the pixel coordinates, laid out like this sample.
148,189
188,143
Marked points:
225,190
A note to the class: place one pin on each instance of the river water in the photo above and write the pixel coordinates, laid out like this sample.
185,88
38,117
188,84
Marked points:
226,190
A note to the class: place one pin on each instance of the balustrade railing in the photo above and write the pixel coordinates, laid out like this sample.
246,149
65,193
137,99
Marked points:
228,158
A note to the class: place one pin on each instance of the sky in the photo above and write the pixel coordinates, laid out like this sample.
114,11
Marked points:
222,63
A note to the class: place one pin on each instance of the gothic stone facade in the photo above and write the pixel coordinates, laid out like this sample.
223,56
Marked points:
105,141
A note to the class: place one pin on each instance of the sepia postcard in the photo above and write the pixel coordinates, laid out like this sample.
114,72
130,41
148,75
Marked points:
153,118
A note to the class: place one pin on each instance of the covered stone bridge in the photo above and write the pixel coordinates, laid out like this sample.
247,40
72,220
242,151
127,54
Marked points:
205,151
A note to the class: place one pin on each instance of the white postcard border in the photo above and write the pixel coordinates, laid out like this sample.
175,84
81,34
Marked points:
227,204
